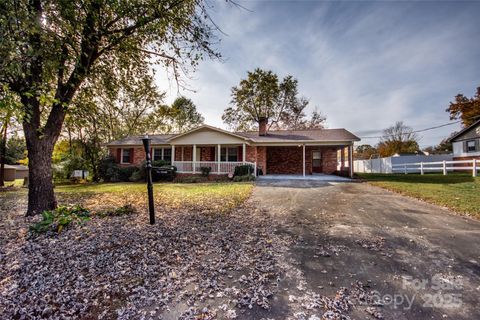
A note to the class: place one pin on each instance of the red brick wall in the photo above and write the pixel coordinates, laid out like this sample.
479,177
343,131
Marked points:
272,160
286,160
289,160
329,160
207,154
262,159
187,153
138,156
251,154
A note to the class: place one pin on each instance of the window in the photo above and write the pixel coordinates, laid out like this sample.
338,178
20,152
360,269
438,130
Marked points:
126,154
223,154
162,154
157,154
229,154
232,154
167,154
317,159
471,146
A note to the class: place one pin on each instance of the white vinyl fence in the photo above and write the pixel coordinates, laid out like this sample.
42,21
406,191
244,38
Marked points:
438,166
386,165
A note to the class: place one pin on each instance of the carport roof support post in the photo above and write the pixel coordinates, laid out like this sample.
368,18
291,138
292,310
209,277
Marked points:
303,154
350,160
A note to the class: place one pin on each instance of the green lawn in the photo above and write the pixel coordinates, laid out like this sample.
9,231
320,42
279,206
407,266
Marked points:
459,192
14,183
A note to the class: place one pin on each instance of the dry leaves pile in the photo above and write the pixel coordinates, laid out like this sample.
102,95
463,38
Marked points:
193,264
189,263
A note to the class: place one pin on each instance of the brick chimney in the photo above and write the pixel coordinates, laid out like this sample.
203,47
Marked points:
262,126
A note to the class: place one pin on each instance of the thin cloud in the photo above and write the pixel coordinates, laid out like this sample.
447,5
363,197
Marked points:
364,65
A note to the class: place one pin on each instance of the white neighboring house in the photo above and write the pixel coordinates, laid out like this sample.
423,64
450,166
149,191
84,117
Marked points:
466,143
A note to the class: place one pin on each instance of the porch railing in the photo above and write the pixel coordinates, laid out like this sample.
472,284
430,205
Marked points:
217,167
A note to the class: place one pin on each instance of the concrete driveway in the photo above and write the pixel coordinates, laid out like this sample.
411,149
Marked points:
413,260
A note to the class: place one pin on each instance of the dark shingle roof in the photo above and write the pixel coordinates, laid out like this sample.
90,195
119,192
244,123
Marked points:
277,136
137,140
322,135
465,130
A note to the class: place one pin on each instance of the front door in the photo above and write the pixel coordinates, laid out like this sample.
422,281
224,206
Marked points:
316,161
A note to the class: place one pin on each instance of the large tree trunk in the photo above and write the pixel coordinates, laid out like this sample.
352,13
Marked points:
3,152
40,143
3,149
40,189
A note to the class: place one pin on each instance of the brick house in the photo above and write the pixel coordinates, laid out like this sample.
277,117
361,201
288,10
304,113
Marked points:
466,143
300,152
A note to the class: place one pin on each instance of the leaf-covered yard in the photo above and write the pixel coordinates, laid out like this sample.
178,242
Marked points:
203,196
210,254
213,254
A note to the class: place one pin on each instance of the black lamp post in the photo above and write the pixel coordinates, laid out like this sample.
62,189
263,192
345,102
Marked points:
148,167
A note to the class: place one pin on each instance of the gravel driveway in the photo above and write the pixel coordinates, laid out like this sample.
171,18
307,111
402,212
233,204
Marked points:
409,259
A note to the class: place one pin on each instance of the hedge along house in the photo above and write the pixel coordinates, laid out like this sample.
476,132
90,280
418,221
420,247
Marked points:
298,152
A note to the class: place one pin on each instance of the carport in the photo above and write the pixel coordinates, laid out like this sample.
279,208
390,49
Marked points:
309,160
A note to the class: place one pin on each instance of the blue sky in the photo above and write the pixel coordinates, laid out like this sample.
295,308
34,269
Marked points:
364,65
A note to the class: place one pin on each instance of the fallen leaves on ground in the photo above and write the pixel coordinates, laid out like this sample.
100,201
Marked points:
202,260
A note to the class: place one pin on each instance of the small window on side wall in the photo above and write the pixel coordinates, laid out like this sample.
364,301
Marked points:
126,155
471,146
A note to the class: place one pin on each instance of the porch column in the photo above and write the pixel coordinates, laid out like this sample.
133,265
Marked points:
173,154
244,153
194,157
350,159
219,152
303,157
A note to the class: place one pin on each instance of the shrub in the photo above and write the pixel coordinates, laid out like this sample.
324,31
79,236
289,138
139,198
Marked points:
244,178
108,169
160,163
138,175
124,173
243,170
191,179
205,171
62,217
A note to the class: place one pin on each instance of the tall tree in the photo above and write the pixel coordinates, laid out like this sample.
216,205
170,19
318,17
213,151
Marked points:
466,109
16,149
445,146
398,138
8,120
261,95
52,49
365,151
181,116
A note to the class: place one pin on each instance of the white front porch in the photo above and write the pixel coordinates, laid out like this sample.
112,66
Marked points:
220,158
216,167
